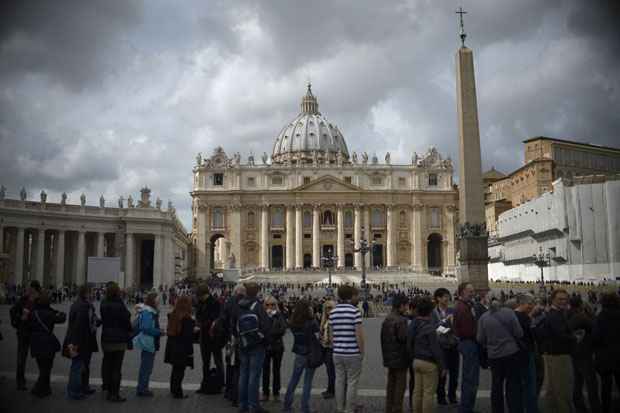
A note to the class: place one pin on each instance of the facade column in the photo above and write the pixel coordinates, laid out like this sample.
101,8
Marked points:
40,256
290,234
157,262
357,233
418,234
202,253
129,261
299,237
390,236
101,244
367,234
316,237
170,261
1,239
451,239
60,258
19,257
264,238
80,274
340,229
235,237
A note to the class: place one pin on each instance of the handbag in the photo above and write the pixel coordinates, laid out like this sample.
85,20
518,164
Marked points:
55,342
316,354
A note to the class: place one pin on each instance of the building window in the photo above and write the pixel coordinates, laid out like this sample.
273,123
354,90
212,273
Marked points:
328,218
432,179
435,223
307,236
348,236
403,219
277,180
277,236
376,180
251,219
307,219
307,180
218,179
277,217
218,218
402,182
348,218
251,181
347,179
377,217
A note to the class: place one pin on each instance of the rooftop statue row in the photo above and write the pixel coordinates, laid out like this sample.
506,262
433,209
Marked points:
432,160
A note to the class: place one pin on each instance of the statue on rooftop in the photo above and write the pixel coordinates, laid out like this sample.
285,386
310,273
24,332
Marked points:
101,201
120,201
23,195
130,202
2,192
43,197
265,158
83,199
63,199
158,203
388,158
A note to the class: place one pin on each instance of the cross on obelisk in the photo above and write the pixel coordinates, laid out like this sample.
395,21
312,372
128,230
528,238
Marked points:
463,35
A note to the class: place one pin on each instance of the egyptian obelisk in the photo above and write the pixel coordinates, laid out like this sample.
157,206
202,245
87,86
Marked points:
472,234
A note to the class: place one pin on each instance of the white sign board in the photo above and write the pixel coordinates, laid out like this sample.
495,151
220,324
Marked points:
104,269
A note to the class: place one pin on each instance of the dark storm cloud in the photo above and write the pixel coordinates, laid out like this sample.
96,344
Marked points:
108,96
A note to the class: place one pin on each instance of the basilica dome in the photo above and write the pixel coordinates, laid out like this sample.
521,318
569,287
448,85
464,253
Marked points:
310,137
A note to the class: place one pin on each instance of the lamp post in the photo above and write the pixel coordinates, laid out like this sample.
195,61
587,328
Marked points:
364,248
328,261
542,260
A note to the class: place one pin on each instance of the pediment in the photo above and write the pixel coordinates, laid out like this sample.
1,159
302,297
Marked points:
327,184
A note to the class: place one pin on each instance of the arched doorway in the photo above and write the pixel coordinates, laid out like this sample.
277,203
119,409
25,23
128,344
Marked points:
277,257
147,252
307,261
377,256
434,253
348,260
212,245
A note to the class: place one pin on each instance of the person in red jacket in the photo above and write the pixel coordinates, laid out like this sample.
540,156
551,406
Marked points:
465,330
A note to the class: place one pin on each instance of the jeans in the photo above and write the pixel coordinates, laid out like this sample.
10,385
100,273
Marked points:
505,371
583,369
558,383
331,370
607,379
249,376
271,367
208,350
23,345
348,371
426,377
529,388
111,371
146,368
470,376
176,379
42,385
451,356
299,368
79,375
396,385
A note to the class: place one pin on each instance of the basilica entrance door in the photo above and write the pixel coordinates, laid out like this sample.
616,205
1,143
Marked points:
146,263
434,253
327,251
307,261
348,260
377,256
277,257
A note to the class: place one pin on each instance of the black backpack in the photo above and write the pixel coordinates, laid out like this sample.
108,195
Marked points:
540,331
248,328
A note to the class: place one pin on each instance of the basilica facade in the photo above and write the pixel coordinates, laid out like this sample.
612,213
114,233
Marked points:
313,198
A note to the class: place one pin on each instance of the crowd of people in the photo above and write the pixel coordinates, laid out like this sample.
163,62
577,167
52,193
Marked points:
430,343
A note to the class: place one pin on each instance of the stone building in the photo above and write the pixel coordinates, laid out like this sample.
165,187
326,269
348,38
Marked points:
312,197
546,159
50,242
576,225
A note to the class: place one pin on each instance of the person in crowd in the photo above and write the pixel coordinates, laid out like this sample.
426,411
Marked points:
147,341
275,349
230,314
395,354
527,354
498,332
443,315
44,344
303,326
326,342
559,345
115,333
465,325
180,344
348,340
253,331
428,363
366,308
580,321
605,339
20,320
207,312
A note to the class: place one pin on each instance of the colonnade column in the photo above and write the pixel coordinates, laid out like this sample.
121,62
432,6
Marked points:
390,236
299,237
40,256
367,234
170,276
417,237
129,261
1,239
340,229
80,274
19,257
100,244
60,258
316,238
157,259
235,236
264,238
290,251
201,241
450,233
357,233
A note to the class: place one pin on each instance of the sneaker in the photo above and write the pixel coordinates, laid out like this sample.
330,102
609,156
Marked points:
146,393
89,391
327,395
442,402
116,398
453,401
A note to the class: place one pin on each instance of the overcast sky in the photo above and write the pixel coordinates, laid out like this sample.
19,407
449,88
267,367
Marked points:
103,97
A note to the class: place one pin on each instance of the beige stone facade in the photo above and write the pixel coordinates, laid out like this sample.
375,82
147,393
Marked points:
312,197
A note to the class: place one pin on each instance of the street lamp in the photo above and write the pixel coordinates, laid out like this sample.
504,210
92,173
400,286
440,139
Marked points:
328,261
542,260
364,248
